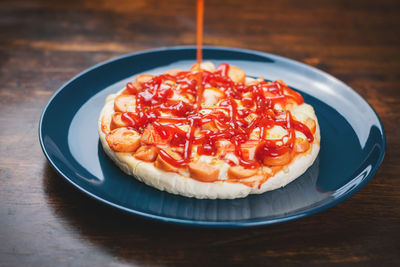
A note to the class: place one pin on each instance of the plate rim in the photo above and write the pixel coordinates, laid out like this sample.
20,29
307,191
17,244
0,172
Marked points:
204,223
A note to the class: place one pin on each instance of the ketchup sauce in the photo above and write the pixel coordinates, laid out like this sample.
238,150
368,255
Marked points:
245,108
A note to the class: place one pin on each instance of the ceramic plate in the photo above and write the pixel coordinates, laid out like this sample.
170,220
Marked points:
352,144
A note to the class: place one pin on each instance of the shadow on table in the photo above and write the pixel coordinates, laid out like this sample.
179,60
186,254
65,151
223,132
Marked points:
136,240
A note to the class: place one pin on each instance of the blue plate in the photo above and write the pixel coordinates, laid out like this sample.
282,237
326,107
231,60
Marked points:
352,145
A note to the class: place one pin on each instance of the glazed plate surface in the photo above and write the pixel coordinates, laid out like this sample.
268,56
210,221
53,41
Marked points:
352,141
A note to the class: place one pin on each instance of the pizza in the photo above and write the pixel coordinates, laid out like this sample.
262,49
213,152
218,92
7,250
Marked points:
209,132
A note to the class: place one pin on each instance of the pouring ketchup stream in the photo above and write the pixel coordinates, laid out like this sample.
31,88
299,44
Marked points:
200,16
152,100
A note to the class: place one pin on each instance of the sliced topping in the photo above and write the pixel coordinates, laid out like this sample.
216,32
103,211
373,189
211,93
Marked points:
251,81
238,172
142,78
124,103
174,72
206,65
152,137
146,153
123,140
117,122
211,96
203,171
105,123
236,74
310,123
301,145
163,163
278,160
133,88
126,92
248,149
292,94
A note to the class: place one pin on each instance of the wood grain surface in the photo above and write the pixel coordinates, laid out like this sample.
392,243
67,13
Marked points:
46,222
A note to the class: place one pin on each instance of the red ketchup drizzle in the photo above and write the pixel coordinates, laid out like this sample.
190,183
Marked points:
223,69
155,106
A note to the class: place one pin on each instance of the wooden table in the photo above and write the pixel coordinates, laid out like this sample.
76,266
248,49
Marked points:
46,222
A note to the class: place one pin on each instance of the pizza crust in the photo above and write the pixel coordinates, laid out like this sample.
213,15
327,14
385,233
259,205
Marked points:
177,184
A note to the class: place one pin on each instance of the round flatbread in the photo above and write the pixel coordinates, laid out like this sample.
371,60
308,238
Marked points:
209,132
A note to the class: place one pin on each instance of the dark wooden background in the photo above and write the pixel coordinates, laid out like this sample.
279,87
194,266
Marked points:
46,222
